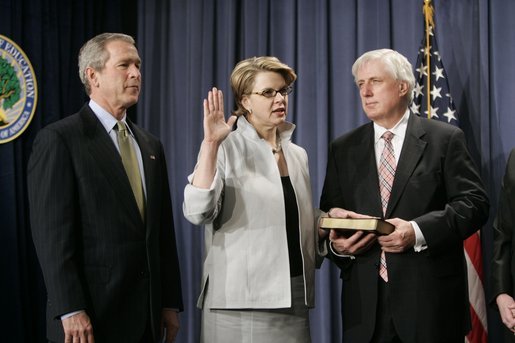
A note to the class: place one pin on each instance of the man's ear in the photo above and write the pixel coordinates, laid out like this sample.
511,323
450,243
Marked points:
91,76
403,88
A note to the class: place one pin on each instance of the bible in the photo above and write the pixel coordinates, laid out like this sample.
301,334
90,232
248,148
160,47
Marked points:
375,225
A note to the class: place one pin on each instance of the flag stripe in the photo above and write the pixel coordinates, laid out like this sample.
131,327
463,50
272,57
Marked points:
478,334
476,291
472,246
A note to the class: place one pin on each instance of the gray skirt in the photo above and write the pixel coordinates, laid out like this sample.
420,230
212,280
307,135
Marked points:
259,325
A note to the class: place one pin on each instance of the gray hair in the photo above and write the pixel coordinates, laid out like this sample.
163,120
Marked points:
93,54
396,65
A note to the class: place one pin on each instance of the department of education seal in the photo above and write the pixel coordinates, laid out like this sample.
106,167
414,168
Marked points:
18,90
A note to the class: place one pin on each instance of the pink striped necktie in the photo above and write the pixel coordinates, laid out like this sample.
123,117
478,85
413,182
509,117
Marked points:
387,167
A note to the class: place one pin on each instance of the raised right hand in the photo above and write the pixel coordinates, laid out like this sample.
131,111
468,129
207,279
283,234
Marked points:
78,329
216,128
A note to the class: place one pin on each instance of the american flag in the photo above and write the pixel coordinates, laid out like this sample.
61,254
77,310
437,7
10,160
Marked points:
432,92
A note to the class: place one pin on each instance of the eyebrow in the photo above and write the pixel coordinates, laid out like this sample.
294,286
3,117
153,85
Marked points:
129,60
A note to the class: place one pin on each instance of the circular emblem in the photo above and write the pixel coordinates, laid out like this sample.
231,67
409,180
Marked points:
18,90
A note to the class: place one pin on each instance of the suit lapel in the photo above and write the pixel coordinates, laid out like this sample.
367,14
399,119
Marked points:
412,150
366,167
108,159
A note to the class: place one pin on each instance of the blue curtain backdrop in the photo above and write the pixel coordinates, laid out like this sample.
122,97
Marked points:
188,46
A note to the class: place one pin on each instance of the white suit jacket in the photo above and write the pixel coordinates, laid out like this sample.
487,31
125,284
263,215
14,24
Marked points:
246,262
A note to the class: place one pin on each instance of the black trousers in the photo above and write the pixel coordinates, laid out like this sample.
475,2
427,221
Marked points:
384,331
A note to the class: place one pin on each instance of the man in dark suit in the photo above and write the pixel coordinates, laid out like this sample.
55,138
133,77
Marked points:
425,183
503,260
101,211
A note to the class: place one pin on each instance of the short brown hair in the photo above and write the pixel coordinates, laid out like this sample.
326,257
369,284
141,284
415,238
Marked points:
244,75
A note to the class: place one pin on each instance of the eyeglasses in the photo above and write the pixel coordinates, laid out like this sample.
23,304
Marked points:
271,93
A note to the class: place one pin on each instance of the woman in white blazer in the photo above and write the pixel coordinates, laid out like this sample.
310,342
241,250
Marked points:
251,190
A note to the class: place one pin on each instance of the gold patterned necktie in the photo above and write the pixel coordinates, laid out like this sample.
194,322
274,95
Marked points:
130,163
387,168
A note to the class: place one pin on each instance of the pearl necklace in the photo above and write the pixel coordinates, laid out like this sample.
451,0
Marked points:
278,149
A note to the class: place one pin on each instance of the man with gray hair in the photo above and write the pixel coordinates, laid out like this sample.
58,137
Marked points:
410,285
101,212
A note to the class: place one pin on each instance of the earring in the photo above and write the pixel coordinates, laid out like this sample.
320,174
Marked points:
250,111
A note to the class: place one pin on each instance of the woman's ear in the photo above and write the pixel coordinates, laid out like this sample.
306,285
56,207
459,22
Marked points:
245,102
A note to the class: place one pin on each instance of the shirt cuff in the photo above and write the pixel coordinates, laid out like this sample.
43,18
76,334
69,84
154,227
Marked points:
352,257
420,241
71,314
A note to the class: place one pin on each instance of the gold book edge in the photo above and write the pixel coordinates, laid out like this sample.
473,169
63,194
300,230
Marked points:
365,224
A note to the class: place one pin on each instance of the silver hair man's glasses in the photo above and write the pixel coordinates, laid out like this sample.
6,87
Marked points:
271,93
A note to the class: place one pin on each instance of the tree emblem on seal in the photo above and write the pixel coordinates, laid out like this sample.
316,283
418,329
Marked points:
9,89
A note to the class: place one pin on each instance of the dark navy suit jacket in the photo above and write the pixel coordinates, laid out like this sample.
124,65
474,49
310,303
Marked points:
436,185
96,252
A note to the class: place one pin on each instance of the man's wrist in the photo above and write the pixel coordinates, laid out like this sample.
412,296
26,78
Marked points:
71,314
352,257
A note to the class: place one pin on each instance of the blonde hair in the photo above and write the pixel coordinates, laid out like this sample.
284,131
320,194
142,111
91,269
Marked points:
244,75
93,54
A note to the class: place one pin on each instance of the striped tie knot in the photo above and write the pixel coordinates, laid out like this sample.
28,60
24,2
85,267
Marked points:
387,136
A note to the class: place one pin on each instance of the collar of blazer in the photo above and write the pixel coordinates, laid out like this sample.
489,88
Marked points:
285,129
